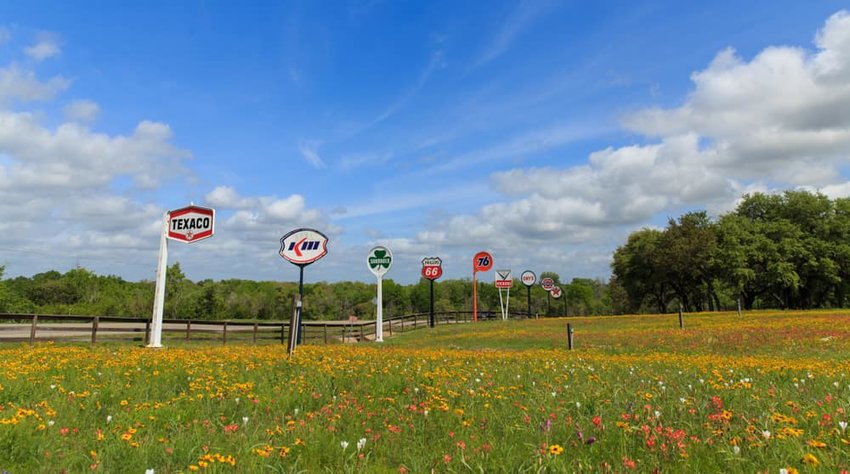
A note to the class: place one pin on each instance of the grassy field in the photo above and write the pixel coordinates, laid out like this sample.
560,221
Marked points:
763,393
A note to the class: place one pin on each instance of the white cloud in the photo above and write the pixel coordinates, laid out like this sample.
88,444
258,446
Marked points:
83,111
519,19
23,85
46,47
783,116
264,217
310,151
779,120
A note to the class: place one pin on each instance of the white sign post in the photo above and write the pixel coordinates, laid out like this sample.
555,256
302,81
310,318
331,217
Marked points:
189,224
504,281
379,261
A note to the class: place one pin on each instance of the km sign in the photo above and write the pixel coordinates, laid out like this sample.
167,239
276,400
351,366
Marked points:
303,246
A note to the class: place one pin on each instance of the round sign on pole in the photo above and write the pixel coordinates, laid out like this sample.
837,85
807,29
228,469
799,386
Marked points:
547,284
379,261
482,262
432,268
528,278
556,292
303,246
191,224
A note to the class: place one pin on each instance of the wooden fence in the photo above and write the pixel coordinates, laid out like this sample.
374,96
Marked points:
40,327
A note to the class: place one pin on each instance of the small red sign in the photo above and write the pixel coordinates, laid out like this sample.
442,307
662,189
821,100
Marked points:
432,268
556,292
482,262
547,284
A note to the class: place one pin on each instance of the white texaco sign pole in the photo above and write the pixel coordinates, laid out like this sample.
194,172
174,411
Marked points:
189,224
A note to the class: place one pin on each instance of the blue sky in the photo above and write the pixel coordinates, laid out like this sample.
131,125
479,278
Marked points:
543,132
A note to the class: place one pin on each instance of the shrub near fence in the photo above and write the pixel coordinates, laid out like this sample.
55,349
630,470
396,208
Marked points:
40,327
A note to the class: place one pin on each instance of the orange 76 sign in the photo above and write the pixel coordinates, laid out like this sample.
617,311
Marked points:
482,262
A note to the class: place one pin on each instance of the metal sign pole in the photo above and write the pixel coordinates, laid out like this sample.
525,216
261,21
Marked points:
432,303
507,303
474,298
298,304
501,305
159,292
379,324
529,301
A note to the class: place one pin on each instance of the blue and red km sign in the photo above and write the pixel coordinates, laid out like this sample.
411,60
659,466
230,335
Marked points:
303,246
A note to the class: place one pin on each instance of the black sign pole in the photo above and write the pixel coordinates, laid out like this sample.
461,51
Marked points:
548,300
432,302
299,303
529,301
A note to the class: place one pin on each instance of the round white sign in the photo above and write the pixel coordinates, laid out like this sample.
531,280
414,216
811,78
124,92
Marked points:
528,278
379,261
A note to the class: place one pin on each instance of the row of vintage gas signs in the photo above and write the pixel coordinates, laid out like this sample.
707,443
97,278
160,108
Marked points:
305,246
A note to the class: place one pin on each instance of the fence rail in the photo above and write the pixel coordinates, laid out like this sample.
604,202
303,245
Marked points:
51,327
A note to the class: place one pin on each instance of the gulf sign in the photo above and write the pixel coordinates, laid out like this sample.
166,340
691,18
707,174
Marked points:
547,283
191,224
303,246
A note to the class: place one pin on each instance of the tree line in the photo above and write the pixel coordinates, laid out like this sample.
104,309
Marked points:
81,292
789,250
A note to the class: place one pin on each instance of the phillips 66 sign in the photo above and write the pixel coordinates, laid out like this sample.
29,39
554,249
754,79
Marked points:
432,268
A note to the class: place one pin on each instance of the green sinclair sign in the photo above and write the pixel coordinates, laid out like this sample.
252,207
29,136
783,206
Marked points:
379,261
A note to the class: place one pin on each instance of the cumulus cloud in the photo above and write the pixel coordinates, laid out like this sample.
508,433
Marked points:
783,116
23,85
83,111
264,217
777,120
46,47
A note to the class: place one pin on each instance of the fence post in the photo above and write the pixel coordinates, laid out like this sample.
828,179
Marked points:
224,335
361,333
32,329
681,321
325,329
94,324
402,324
147,332
188,328
282,332
256,326
390,327
569,336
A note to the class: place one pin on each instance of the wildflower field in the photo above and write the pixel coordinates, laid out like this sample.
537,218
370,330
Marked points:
764,393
